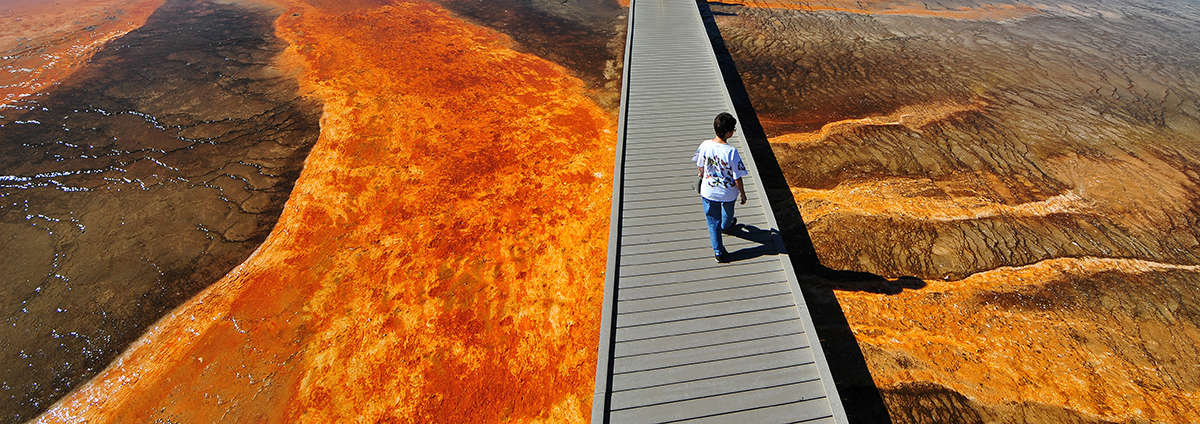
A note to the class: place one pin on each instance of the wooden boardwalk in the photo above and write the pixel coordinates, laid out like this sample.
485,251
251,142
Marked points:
684,338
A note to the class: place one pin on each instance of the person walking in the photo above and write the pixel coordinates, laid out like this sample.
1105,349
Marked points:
721,168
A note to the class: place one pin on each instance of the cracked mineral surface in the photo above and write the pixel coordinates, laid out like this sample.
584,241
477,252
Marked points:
1037,165
151,151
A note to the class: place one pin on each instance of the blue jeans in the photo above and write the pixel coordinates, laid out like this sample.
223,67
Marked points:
719,216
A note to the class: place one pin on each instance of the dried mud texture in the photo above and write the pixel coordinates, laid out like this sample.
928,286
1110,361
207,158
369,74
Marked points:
960,9
135,183
1065,144
585,36
43,43
440,259
1091,145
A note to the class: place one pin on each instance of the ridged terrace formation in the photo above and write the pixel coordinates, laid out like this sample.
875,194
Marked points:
1039,173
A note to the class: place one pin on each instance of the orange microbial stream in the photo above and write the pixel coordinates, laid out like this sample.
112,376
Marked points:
42,42
1068,346
902,199
912,117
440,259
995,12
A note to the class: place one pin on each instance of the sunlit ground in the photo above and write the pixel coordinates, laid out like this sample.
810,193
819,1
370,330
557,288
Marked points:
440,257
441,249
1037,165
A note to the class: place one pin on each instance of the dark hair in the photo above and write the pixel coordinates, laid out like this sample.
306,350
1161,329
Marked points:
724,123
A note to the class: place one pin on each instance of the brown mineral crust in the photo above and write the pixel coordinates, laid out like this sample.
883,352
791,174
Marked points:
972,208
43,43
949,227
951,10
804,72
136,182
913,117
1047,167
440,259
984,131
585,37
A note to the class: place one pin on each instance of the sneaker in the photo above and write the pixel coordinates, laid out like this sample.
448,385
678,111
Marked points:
732,226
723,258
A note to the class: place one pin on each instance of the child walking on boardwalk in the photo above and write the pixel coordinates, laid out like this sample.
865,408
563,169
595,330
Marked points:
722,170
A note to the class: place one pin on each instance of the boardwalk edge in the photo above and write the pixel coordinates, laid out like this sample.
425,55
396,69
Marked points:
602,394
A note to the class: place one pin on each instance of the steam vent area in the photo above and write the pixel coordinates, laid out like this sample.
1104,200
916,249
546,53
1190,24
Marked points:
479,211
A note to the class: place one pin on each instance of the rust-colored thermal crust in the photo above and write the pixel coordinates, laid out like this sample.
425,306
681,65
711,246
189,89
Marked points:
440,259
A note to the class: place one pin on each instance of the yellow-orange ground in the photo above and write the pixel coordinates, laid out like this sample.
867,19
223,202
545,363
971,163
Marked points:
967,336
440,259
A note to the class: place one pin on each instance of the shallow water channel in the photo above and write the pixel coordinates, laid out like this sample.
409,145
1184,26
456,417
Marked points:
136,182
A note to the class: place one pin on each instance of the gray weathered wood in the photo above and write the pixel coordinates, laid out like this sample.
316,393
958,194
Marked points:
684,338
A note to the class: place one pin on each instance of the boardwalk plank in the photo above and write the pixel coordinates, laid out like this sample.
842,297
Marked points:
719,370
684,337
717,407
699,294
716,336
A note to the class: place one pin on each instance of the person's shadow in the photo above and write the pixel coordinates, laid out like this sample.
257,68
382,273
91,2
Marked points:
860,397
764,238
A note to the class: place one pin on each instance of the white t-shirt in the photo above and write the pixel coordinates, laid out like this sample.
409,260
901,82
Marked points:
722,166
